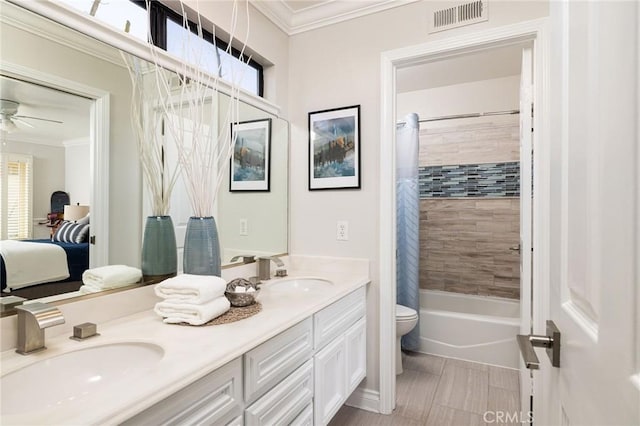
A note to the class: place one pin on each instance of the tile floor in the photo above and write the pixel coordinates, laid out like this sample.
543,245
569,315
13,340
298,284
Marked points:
443,392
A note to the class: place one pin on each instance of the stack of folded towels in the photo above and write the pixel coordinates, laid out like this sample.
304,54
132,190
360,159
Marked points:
194,299
109,277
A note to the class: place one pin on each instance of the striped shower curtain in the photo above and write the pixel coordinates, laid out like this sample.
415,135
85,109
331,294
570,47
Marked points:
408,222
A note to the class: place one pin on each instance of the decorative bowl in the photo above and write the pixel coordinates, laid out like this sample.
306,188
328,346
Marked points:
247,297
242,299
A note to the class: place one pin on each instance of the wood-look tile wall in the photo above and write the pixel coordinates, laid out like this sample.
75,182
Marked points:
464,246
471,143
464,242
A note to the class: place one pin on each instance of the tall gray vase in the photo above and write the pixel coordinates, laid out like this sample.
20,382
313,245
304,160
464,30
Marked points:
202,247
159,252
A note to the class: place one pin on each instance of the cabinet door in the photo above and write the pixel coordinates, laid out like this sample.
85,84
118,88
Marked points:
284,403
356,357
213,399
330,381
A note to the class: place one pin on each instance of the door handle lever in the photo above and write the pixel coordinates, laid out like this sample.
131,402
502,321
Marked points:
551,342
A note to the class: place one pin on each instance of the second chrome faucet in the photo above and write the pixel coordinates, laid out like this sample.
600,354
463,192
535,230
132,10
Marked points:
264,263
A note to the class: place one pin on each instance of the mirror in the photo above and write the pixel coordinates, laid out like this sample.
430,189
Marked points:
36,49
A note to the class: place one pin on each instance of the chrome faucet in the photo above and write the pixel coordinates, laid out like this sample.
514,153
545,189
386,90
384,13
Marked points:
33,318
246,258
264,266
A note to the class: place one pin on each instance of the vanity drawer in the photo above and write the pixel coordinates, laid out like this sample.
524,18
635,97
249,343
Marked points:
213,399
275,359
284,403
238,421
305,418
333,320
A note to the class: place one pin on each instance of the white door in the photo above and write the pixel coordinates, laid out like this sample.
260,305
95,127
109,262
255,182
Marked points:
593,282
526,103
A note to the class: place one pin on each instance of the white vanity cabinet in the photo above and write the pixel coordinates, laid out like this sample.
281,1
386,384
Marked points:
215,399
300,377
340,359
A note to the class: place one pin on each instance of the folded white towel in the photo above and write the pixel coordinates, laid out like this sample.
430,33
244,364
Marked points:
174,313
112,276
196,289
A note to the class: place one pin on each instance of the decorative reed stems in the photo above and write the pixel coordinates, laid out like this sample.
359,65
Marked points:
146,121
194,117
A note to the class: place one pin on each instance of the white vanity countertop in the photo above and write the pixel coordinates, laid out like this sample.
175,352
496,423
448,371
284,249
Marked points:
189,352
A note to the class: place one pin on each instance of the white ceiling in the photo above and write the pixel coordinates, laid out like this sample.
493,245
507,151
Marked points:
44,102
495,63
296,16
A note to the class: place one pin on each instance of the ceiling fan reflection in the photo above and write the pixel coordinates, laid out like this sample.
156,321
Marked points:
9,117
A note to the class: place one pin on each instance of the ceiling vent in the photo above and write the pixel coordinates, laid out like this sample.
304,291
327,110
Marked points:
460,15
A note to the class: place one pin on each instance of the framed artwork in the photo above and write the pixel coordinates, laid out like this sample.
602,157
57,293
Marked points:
334,148
250,168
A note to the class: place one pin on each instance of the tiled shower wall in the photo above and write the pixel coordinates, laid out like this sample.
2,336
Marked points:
469,208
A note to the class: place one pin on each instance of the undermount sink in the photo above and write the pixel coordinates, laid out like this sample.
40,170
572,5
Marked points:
301,284
65,378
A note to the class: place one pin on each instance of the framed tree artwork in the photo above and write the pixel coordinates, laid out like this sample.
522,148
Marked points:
334,148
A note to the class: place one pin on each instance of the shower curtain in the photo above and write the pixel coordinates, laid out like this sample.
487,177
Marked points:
408,222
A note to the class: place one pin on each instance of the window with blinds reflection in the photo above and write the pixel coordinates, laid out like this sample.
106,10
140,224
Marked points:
16,193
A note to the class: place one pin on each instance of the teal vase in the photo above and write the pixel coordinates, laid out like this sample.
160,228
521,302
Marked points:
159,252
201,247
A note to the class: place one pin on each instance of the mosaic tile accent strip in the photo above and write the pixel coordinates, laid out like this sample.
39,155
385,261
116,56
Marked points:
470,180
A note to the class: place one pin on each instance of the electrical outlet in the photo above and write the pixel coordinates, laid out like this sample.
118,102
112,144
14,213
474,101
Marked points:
244,227
342,232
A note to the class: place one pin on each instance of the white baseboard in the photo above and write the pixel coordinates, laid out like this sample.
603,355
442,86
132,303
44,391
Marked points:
365,399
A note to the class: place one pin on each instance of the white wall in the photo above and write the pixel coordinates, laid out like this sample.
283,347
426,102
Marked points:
340,66
77,172
496,94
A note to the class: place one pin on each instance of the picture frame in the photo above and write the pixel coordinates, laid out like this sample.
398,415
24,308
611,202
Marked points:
250,168
334,148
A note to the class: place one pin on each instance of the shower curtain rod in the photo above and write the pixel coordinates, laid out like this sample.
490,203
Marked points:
470,115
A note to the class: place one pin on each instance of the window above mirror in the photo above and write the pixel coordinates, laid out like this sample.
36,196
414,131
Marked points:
168,33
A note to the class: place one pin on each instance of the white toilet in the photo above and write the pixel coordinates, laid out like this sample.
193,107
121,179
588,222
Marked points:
406,320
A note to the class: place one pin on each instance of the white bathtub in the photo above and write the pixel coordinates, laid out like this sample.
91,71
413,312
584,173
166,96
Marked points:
473,328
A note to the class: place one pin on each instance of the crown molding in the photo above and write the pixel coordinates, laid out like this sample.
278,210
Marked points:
322,14
21,139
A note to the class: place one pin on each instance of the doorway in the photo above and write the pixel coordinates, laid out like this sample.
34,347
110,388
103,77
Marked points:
98,148
392,62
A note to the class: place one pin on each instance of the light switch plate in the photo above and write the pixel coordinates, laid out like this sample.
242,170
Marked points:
244,227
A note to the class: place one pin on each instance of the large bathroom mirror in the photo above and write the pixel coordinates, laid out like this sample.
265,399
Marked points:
35,50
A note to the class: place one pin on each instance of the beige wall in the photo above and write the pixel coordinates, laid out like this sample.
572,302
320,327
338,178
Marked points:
496,94
339,66
77,168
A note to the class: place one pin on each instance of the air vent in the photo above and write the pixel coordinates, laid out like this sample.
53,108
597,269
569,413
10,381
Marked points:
458,16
